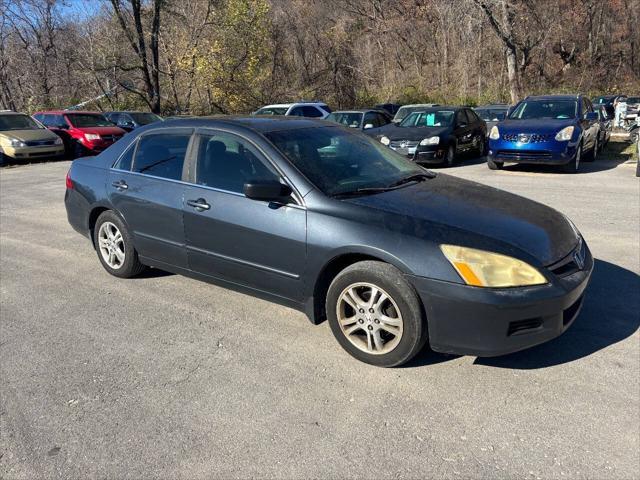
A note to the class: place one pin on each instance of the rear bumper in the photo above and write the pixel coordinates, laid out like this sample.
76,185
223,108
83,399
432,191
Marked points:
490,322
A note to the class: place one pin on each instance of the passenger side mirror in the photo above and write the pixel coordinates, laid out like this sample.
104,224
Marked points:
368,125
266,190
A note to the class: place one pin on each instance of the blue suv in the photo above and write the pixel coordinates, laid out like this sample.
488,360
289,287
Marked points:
546,130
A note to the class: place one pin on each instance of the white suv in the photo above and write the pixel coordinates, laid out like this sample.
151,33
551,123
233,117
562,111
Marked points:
302,109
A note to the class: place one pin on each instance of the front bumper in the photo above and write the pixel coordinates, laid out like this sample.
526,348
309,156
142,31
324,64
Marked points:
544,153
488,322
24,153
423,153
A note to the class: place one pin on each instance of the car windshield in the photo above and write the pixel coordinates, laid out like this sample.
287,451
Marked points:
350,119
145,118
545,109
18,122
433,118
272,111
491,114
82,120
339,161
404,111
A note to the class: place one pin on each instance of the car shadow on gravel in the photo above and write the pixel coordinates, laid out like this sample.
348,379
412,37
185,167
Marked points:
611,313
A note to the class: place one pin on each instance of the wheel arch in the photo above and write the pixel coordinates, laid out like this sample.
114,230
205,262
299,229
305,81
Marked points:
95,212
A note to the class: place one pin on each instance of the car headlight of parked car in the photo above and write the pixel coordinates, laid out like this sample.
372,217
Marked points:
385,140
486,269
430,141
92,136
565,134
495,133
14,142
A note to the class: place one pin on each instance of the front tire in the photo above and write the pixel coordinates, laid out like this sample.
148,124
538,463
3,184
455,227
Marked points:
594,152
114,246
574,165
493,165
451,155
375,314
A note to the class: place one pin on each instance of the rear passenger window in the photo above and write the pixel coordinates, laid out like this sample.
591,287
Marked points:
161,155
313,112
124,162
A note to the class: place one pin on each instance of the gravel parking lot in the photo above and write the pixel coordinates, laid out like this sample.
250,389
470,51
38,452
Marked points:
165,376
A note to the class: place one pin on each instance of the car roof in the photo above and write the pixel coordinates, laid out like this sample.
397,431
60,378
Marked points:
493,105
287,105
362,110
554,97
260,124
68,112
413,105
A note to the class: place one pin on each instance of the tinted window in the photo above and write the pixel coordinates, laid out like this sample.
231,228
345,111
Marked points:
161,155
371,119
124,162
297,112
17,122
472,117
313,112
491,114
272,111
142,118
349,119
382,119
339,161
546,109
227,162
81,120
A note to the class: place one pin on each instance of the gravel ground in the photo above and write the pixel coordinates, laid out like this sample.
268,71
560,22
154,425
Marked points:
165,376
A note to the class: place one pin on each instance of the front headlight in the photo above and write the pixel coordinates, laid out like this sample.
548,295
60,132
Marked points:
430,141
565,134
495,133
486,269
91,136
57,141
385,140
14,142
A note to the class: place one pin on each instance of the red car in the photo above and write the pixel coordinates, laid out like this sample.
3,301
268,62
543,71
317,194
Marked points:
83,133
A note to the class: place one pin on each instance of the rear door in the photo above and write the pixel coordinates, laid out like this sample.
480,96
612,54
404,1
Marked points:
145,186
231,237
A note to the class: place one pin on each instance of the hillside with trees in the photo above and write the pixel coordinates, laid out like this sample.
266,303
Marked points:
231,56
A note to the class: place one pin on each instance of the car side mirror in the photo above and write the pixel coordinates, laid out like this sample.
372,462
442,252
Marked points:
368,125
591,116
266,190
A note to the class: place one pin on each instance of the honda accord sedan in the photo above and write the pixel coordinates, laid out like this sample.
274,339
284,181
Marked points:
326,220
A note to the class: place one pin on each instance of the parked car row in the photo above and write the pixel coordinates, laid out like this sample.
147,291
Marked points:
58,133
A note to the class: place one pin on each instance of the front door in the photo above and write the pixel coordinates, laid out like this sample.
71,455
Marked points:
146,188
253,243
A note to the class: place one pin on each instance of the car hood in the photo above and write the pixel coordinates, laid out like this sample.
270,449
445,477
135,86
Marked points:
394,132
447,209
102,130
29,135
539,125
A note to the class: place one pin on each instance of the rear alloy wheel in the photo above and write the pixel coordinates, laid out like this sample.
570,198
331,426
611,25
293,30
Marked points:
115,247
494,165
574,165
375,314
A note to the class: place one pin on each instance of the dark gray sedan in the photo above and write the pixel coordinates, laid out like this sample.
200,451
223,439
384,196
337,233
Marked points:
329,221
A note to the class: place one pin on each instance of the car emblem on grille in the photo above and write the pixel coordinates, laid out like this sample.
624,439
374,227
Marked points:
403,145
524,138
578,256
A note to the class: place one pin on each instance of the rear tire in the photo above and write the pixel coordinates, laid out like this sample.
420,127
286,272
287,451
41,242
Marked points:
114,246
494,165
574,165
375,314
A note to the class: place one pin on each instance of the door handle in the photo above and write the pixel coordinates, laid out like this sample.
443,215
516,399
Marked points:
120,185
200,204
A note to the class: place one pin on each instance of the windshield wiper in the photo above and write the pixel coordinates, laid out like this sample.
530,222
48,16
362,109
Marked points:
416,177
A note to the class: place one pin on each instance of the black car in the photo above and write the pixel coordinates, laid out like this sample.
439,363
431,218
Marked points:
367,120
329,221
131,120
390,108
492,114
437,135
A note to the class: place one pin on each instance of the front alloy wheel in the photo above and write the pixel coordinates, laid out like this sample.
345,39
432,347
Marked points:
369,318
574,165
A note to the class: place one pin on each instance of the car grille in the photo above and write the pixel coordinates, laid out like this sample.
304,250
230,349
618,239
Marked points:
523,154
569,264
532,137
40,143
403,144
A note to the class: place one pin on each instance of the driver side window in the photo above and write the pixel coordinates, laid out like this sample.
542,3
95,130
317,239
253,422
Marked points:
226,162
